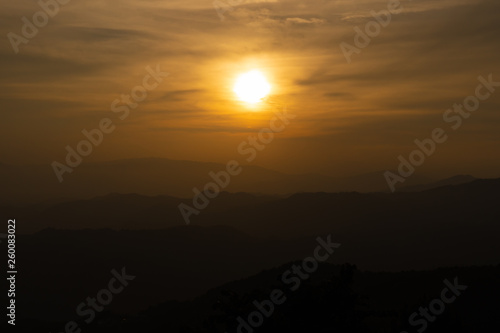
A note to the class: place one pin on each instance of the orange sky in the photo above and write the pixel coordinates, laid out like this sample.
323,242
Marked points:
351,118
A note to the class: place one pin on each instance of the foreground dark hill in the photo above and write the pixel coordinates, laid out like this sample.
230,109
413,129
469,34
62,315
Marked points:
332,299
60,269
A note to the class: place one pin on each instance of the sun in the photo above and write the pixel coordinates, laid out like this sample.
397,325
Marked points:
251,87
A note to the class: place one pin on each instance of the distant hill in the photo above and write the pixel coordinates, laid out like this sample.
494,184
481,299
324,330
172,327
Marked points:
160,176
147,176
456,180
123,211
258,214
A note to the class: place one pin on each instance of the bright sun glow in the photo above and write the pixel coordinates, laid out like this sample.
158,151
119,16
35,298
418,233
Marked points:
251,87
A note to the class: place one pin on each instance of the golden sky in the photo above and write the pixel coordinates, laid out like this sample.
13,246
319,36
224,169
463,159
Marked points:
351,117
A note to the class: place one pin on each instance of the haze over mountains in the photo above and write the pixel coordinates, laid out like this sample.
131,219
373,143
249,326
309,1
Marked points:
240,235
453,222
375,224
158,176
125,214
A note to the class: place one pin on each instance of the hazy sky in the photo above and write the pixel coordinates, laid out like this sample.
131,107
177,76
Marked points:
351,118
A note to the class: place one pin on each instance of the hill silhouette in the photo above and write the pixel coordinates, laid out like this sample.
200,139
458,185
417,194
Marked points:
335,298
239,235
455,180
160,176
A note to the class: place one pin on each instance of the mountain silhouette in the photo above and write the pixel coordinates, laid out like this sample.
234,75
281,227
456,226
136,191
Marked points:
160,176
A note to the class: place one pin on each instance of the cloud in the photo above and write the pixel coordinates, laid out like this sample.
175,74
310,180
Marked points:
427,58
298,20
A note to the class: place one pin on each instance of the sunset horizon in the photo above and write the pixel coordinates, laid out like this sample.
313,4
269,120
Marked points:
250,166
